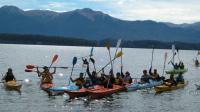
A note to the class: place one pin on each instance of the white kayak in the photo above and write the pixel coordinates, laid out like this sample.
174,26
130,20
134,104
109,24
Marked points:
138,86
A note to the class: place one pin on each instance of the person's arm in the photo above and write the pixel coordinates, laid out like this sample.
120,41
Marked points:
54,70
172,64
71,79
14,77
38,72
150,73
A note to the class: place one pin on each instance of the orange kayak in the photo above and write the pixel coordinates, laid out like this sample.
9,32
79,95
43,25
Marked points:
83,92
102,92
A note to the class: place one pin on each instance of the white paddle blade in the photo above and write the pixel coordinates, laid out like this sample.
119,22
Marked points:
119,43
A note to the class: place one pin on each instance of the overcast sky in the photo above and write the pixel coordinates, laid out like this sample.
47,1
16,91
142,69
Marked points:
176,11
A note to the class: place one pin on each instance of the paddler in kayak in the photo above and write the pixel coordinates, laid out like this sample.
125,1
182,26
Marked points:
127,78
171,81
145,77
181,65
79,81
154,75
109,80
196,62
176,66
47,77
93,75
9,76
118,79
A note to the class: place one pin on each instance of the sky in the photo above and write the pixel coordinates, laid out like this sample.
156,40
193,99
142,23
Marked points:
175,11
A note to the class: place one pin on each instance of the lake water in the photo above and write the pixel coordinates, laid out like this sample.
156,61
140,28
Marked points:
32,99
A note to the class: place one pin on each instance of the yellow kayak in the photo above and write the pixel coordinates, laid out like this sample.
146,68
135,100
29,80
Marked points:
12,85
162,88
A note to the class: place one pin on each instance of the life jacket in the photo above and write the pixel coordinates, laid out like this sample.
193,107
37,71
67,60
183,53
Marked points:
118,81
80,82
9,77
46,77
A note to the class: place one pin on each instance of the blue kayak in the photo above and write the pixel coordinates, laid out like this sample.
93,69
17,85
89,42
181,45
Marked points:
137,86
61,90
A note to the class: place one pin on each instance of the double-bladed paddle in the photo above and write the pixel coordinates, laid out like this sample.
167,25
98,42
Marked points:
119,54
73,63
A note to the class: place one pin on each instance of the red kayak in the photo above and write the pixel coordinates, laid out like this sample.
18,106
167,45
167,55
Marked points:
83,92
102,92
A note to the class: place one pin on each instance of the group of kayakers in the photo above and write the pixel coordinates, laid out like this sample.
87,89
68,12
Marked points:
151,76
105,80
145,78
179,65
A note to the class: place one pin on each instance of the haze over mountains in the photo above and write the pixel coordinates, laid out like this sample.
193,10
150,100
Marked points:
92,25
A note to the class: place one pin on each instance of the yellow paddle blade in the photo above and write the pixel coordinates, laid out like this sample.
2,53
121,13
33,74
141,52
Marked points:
119,54
107,45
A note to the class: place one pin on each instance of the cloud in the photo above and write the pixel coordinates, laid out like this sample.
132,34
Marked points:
177,11
59,6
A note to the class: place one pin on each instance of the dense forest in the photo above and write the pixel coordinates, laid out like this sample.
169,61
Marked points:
72,41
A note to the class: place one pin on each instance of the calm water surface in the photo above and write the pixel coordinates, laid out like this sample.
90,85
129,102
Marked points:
32,99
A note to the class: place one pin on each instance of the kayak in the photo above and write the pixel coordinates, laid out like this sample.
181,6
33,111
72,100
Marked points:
176,71
12,85
137,86
61,90
46,86
102,92
164,87
83,92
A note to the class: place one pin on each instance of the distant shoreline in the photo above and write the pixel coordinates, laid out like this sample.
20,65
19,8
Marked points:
27,39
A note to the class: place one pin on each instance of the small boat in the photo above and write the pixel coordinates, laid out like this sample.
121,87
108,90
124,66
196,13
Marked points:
61,90
12,85
103,92
163,88
176,71
138,86
83,92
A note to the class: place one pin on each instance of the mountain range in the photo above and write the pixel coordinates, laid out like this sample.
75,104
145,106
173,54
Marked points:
92,25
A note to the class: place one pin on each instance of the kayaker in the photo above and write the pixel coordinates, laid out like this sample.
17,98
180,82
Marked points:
79,81
102,80
109,80
47,77
9,75
176,66
171,81
181,65
112,77
93,75
118,79
127,77
196,62
145,77
154,75
180,79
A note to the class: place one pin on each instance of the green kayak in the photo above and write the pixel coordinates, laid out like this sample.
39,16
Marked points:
176,71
